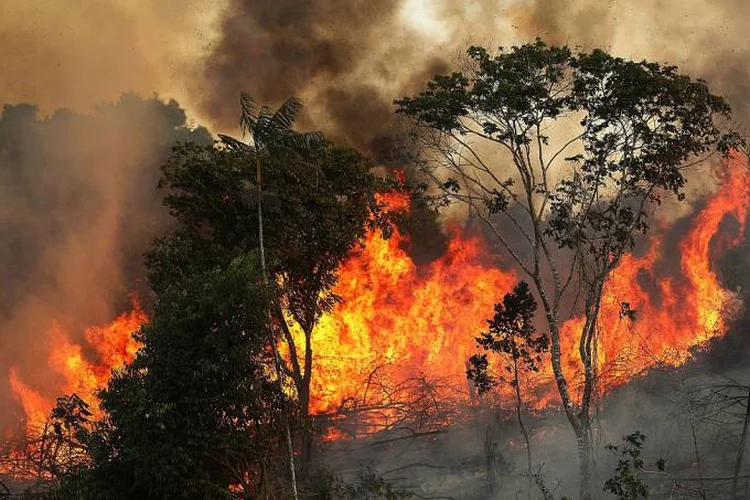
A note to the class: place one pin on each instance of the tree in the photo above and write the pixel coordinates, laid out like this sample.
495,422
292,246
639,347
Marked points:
271,132
627,483
316,199
563,155
196,415
513,335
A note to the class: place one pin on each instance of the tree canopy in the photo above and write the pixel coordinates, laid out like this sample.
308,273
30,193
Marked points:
564,154
197,413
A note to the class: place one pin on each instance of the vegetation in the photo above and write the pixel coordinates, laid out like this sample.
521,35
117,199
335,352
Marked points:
196,413
564,155
627,483
316,198
512,334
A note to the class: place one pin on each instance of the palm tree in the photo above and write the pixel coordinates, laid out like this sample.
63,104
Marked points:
271,138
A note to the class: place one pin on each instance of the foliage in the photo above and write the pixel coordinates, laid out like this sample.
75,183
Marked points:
196,412
512,333
316,210
627,483
639,121
316,203
595,142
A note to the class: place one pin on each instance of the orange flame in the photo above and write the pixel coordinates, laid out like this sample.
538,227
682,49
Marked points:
412,321
680,312
82,369
425,320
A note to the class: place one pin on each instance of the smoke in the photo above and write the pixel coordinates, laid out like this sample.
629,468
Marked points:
79,209
706,39
79,53
347,60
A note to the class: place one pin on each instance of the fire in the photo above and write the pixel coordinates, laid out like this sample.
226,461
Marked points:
394,316
673,314
82,369
400,324
423,321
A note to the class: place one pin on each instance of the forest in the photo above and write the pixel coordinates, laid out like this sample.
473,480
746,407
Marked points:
527,280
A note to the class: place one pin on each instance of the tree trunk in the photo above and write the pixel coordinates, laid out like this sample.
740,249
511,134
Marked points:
579,421
519,416
741,448
306,435
586,460
276,357
306,448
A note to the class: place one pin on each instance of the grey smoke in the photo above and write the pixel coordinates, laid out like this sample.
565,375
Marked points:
79,207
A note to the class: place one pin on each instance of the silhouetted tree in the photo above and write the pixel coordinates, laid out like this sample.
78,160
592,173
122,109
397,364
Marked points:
196,415
513,336
315,203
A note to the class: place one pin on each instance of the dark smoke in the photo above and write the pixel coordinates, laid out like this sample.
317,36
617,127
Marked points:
335,55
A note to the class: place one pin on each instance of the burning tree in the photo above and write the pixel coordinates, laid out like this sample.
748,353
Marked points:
564,155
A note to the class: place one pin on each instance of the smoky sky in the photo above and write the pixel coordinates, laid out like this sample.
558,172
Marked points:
338,55
350,59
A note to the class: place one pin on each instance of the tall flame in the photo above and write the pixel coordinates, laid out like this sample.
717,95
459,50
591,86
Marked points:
424,320
680,312
393,315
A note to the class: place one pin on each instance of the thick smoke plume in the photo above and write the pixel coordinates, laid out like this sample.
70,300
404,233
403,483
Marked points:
349,60
79,208
346,59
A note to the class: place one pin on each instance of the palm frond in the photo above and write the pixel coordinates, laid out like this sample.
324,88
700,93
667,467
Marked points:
286,115
271,132
263,133
248,113
233,143
304,141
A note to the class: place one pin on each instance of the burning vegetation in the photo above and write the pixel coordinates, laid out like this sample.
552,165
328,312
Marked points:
290,321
